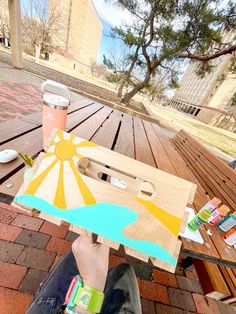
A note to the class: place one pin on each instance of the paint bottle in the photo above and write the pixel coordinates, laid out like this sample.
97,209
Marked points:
230,237
218,214
228,222
201,218
212,204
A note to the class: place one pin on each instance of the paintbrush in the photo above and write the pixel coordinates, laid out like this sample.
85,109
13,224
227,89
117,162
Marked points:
27,159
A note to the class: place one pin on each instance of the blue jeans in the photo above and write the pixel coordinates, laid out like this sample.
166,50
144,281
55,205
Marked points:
121,290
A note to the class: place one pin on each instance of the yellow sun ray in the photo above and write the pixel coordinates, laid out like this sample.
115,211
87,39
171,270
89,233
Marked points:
60,134
85,144
72,137
64,150
59,199
86,193
35,183
49,154
79,155
170,221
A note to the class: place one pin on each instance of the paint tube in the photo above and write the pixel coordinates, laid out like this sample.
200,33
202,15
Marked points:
212,204
201,218
218,214
230,237
228,222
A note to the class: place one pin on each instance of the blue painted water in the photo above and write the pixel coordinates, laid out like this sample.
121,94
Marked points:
105,219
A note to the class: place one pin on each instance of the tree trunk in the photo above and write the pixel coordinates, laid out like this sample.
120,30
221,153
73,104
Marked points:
37,53
128,73
127,97
6,42
121,87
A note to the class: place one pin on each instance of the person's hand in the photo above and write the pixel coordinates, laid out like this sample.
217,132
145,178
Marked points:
92,261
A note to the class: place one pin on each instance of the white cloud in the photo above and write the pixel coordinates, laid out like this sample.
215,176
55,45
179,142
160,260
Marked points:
111,14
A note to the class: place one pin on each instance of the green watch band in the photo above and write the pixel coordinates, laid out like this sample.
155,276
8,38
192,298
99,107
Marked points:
89,298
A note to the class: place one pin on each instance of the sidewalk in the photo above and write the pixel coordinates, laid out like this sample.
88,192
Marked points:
20,93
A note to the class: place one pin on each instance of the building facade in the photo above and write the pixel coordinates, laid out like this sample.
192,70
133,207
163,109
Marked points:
4,23
195,90
207,98
82,31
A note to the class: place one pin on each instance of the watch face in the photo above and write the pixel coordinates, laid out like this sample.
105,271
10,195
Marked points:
84,298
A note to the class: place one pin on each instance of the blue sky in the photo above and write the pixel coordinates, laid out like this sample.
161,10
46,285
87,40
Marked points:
107,43
111,16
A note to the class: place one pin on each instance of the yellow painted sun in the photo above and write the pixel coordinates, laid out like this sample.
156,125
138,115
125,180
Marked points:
64,149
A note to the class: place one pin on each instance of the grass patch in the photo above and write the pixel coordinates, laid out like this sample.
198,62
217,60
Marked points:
207,134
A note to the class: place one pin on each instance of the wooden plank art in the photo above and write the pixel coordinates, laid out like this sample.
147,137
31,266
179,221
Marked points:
144,213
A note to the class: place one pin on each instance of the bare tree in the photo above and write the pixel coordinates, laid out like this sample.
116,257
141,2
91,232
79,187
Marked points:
4,22
98,70
119,61
41,25
231,108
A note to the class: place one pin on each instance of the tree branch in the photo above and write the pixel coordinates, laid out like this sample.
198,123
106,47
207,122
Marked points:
208,57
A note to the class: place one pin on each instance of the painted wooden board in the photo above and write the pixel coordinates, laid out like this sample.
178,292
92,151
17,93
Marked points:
145,216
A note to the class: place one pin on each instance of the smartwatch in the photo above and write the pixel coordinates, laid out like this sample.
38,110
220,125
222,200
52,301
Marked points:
86,297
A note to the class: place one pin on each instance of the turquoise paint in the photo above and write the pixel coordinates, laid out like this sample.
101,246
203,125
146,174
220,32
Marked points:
105,219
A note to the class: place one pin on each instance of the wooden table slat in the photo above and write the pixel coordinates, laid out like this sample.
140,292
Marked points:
8,132
89,127
30,143
125,141
105,135
143,150
15,180
163,161
80,116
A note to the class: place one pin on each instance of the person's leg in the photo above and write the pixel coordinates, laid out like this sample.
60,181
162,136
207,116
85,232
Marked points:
52,293
121,291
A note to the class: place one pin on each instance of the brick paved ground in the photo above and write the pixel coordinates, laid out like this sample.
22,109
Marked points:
20,93
30,247
18,99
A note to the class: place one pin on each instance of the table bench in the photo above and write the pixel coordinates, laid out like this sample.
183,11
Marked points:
215,176
219,180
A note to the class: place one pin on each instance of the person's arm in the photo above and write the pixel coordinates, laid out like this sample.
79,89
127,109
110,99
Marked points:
92,261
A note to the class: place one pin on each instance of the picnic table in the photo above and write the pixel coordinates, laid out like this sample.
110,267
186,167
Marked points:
116,130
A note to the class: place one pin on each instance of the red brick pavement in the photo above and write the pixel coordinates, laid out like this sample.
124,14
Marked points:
30,247
18,99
